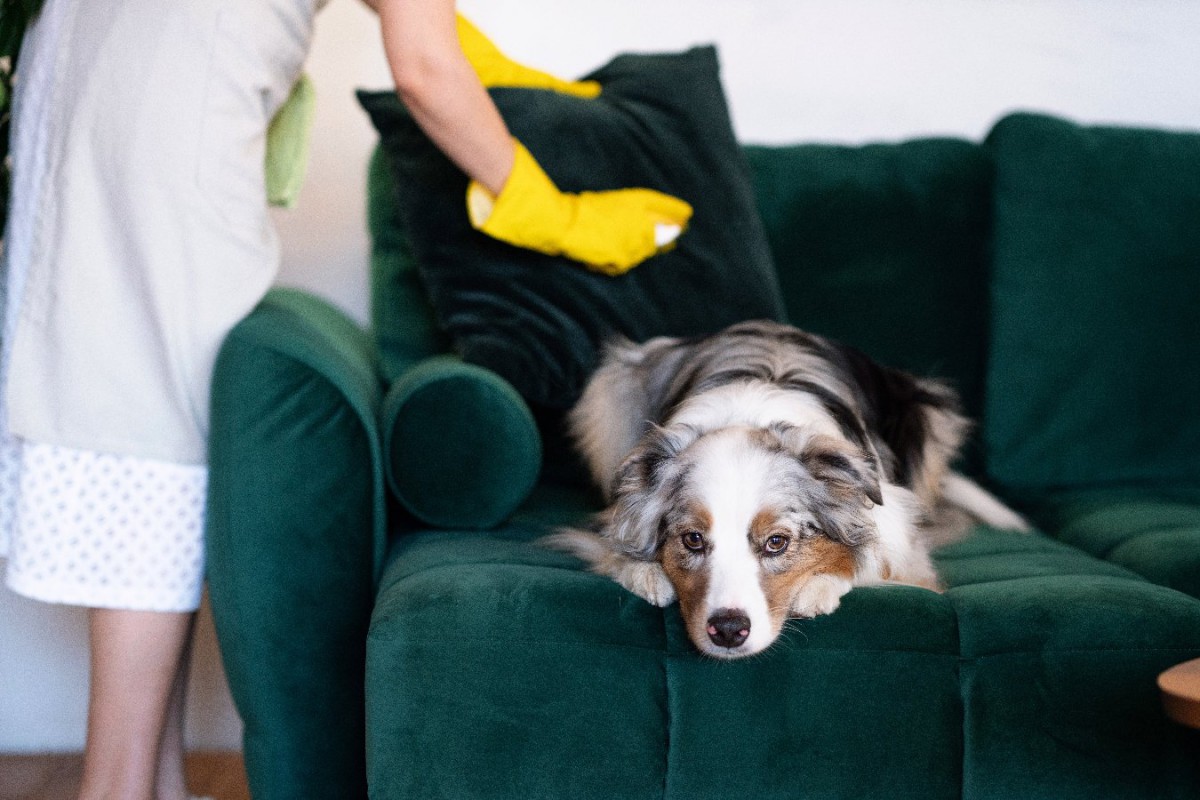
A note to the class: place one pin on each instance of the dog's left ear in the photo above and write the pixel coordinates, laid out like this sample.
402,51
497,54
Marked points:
847,473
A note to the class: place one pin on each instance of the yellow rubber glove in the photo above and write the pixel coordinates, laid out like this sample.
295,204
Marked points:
610,232
496,69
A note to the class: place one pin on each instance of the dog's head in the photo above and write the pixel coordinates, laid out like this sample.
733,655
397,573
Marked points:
746,526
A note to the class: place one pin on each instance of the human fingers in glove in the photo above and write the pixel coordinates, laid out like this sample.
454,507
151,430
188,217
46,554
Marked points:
441,64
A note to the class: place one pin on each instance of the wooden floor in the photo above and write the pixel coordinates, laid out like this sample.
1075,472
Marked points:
56,777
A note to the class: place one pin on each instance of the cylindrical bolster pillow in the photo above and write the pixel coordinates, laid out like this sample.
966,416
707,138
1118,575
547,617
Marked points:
461,446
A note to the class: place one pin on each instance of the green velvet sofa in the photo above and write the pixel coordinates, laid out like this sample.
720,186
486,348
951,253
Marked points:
390,628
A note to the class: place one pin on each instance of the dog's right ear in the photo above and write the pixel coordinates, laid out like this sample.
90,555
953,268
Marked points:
642,489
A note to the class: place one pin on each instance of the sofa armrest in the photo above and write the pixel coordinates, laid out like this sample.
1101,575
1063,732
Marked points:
296,537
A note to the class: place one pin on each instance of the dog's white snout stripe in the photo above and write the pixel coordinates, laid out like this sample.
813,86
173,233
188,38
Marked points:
732,481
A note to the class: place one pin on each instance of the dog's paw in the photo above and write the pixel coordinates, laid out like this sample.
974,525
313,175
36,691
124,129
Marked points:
822,594
647,580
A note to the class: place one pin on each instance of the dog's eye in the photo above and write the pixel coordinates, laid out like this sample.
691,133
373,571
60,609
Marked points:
775,544
693,540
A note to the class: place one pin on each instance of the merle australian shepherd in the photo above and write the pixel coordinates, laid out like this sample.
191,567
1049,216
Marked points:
761,473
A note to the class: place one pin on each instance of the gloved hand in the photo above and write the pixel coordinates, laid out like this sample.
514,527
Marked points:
496,69
610,232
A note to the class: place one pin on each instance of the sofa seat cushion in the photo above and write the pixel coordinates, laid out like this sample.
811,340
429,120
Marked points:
1156,537
1032,676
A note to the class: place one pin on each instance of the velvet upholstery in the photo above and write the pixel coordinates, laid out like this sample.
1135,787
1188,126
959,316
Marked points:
1156,536
493,667
885,247
1096,283
296,530
1031,677
461,447
402,322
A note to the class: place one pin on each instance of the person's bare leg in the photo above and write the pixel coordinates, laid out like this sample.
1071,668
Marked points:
136,658
172,782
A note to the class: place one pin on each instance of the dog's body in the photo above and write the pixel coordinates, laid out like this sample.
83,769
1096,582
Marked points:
761,473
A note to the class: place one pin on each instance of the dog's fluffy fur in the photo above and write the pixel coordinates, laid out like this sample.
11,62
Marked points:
762,472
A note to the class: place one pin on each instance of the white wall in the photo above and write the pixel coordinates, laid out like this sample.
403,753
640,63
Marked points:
828,70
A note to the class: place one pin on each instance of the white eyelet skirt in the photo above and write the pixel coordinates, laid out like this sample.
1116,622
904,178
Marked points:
100,530
138,236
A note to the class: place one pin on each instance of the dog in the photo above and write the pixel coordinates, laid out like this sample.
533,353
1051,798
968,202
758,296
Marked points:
762,472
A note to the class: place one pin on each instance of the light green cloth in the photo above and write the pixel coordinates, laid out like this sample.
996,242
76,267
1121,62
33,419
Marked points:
287,144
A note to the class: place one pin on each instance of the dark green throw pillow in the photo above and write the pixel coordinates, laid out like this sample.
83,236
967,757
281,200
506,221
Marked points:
661,122
1094,377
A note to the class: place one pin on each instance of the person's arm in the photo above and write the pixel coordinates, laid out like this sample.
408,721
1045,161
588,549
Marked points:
442,91
509,197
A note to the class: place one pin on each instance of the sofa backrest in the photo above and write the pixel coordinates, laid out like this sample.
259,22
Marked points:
1051,273
884,247
1094,371
402,320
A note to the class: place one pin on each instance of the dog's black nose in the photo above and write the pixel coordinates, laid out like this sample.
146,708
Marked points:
728,628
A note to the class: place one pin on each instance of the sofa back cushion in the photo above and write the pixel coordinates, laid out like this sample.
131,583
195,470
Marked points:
401,318
884,246
1095,373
